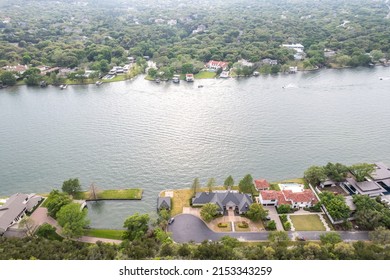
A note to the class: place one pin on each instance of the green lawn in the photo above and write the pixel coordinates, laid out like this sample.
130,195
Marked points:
307,222
128,194
205,75
105,233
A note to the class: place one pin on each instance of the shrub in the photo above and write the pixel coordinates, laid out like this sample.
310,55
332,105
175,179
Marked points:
271,225
222,225
283,218
283,209
243,224
287,225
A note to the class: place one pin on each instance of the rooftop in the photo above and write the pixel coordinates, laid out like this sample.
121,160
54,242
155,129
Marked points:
381,172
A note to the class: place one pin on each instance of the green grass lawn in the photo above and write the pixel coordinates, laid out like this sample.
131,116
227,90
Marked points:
307,222
205,75
105,233
130,194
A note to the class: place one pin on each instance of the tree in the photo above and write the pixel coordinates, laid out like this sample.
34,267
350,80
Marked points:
47,231
371,213
362,170
28,224
8,78
93,192
73,220
279,238
337,172
229,182
195,185
71,186
208,211
256,212
246,184
284,209
55,201
211,184
287,225
330,238
136,226
380,235
315,175
336,206
344,251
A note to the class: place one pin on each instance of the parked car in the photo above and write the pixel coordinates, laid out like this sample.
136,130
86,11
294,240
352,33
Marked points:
171,220
301,238
268,218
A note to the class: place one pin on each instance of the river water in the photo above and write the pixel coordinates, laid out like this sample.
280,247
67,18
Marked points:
158,136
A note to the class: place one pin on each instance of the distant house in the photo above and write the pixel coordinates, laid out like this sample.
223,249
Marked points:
297,199
297,47
269,61
14,209
20,69
172,22
225,200
164,203
200,29
262,184
244,62
189,77
215,65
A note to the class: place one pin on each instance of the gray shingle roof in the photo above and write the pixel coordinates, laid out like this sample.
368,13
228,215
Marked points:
164,202
224,199
11,209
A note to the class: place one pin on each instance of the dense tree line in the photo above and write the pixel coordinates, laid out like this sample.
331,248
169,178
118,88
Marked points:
99,35
149,247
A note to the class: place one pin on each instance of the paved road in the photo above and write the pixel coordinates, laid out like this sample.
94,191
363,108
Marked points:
188,228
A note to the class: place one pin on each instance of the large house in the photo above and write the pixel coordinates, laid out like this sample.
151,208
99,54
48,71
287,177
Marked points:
14,209
296,199
225,200
215,65
377,184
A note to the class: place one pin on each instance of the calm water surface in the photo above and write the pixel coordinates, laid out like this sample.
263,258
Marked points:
158,136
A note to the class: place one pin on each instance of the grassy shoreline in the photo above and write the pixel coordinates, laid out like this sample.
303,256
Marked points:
122,194
105,233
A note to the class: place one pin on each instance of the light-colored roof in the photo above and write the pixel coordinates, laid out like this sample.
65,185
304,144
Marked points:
381,172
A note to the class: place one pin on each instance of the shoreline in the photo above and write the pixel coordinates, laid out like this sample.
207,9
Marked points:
230,77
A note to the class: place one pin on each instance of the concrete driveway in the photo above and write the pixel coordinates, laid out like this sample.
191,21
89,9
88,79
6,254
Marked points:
273,214
187,227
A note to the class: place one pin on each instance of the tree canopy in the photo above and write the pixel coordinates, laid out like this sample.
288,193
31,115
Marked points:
73,220
208,211
136,226
71,186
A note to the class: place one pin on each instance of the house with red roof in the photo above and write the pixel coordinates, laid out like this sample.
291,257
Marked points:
304,198
215,65
262,184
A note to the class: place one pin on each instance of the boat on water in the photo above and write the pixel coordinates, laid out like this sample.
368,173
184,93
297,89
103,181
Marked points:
63,86
176,79
98,83
200,86
158,81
